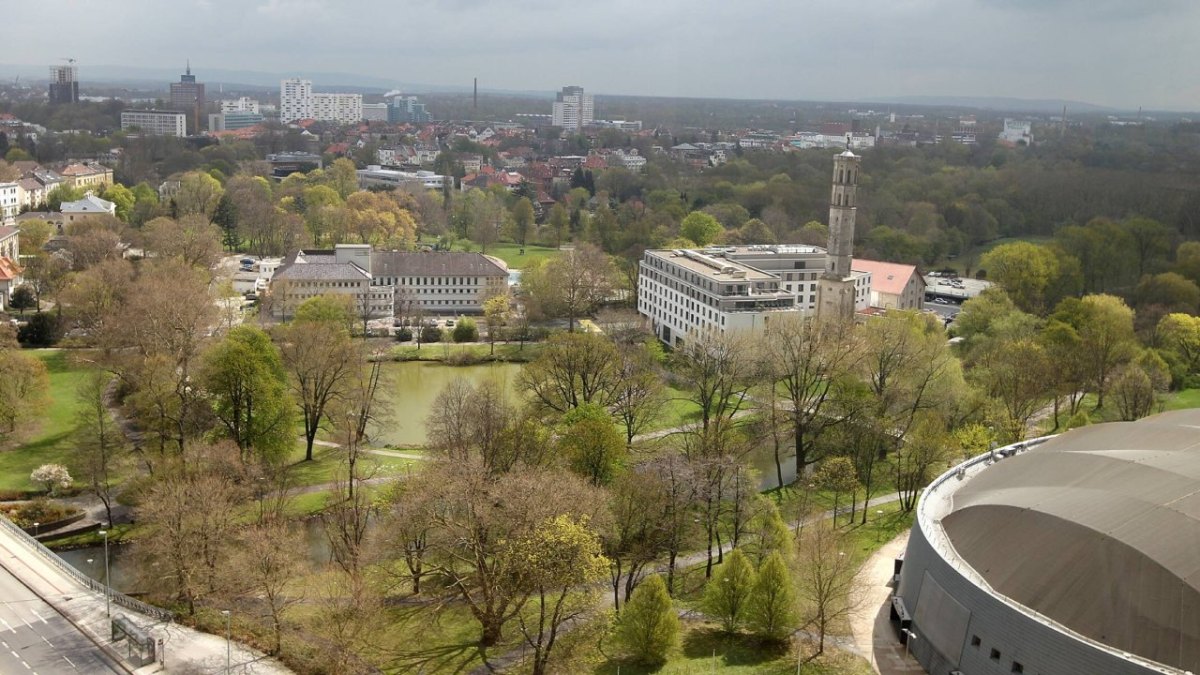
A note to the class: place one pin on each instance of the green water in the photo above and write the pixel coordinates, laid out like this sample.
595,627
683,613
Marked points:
411,389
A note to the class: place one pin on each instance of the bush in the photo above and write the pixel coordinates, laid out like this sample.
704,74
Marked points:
404,335
39,511
648,628
465,331
23,298
53,476
42,330
431,334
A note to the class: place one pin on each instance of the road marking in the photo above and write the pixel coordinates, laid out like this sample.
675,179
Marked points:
72,664
26,666
46,641
15,655
14,630
38,615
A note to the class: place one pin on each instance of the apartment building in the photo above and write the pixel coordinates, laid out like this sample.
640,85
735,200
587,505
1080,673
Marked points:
240,104
10,202
295,100
155,122
87,176
573,109
340,108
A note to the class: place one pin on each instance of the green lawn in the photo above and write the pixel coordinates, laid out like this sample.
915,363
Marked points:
1180,400
705,649
49,439
327,462
512,256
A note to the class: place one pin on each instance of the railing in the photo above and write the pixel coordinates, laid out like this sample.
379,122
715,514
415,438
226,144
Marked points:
51,557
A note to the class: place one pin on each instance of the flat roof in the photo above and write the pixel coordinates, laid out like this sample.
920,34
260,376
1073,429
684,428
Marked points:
696,264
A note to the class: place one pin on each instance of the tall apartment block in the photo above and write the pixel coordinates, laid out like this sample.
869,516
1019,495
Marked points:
573,109
64,84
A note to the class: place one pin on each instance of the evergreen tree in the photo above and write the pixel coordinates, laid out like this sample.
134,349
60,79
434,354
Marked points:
772,612
727,594
225,217
648,628
770,534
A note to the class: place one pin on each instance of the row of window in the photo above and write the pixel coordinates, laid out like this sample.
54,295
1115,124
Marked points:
994,654
427,281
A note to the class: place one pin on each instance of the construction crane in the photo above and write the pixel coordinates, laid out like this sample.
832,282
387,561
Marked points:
68,59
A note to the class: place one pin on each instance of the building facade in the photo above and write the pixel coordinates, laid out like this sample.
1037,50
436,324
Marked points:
64,84
155,122
241,104
87,207
231,121
375,112
893,285
340,108
573,109
10,203
89,176
295,100
187,95
407,109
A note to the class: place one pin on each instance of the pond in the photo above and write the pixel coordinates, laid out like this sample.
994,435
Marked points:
414,385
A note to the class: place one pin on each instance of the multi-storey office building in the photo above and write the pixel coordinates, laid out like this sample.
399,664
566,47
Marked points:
295,100
155,122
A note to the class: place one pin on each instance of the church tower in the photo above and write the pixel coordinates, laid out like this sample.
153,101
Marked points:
837,284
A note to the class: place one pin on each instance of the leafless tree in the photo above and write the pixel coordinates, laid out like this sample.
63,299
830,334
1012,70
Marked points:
828,579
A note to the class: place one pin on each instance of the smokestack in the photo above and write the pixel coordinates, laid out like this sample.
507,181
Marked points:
475,97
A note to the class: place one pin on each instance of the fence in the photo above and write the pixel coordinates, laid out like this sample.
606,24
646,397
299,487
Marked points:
118,598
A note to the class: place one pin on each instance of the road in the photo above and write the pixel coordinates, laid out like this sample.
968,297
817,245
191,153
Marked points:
34,638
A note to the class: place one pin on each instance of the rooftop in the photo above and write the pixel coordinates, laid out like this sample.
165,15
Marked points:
710,267
886,277
1094,532
436,264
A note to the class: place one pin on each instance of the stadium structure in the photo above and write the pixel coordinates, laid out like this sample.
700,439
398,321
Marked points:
1077,554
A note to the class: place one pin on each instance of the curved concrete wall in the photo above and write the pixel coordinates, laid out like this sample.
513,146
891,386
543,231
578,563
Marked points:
961,626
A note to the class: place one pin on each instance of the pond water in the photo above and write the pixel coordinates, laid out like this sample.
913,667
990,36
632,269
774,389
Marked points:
412,388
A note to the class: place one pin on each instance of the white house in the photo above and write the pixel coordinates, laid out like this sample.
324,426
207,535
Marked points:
89,206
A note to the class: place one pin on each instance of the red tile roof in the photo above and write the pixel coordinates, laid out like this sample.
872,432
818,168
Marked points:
890,278
9,270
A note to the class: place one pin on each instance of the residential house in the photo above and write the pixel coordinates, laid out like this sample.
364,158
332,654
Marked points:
10,270
893,285
89,206
87,176
10,202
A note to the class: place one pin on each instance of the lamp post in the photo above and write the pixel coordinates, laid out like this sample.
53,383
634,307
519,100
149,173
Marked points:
228,648
911,637
107,587
35,529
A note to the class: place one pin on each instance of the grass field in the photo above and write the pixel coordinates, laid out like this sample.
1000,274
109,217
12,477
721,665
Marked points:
49,439
512,256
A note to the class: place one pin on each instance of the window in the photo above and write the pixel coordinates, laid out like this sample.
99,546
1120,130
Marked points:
1017,667
975,641
995,655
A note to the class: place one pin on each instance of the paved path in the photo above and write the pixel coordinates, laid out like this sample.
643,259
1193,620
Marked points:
874,635
50,592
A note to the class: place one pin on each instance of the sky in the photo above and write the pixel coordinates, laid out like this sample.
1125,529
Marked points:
1119,53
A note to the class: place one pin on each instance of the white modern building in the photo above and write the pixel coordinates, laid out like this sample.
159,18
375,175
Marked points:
573,109
628,159
242,104
295,100
340,108
1017,132
377,175
155,122
10,202
375,112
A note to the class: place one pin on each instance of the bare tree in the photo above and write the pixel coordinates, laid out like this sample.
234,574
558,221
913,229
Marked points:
99,442
270,558
573,369
827,580
319,359
639,394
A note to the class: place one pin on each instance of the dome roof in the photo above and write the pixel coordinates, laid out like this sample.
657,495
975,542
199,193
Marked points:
1099,530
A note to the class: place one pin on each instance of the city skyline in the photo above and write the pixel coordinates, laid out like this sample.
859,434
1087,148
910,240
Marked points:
1062,49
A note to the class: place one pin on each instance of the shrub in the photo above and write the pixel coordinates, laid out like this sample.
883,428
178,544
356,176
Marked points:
648,628
404,335
431,334
39,511
727,593
465,331
42,330
23,298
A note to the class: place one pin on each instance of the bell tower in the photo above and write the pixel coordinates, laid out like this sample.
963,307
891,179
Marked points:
837,285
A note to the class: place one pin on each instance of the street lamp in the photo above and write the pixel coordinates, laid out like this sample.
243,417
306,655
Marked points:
911,637
107,587
35,529
228,648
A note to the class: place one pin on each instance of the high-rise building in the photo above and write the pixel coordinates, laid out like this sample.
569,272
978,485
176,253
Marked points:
187,96
340,108
242,104
573,109
407,109
64,84
295,100
836,293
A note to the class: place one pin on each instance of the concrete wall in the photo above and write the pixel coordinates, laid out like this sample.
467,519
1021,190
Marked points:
1039,648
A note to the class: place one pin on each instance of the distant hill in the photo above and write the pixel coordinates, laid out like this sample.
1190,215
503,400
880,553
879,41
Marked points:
1001,103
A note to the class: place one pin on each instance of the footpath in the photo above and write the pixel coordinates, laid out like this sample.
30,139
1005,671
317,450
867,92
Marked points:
185,650
874,636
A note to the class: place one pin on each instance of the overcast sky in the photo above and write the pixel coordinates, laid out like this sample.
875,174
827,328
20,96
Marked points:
1122,53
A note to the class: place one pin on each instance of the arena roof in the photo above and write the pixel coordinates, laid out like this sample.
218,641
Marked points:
1099,530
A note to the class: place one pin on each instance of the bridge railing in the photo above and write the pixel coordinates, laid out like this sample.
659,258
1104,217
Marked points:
118,598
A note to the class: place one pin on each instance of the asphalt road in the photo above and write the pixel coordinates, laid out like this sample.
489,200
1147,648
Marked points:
36,639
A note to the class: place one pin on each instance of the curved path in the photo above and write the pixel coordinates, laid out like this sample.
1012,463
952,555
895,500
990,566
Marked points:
874,635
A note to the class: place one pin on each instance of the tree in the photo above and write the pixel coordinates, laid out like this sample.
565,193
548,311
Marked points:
269,559
770,534
929,447
23,298
571,370
479,424
53,477
465,331
552,562
639,394
198,194
700,228
496,311
95,294
522,217
192,239
244,378
24,389
318,358
122,198
98,446
571,285
342,176
559,220
34,235
60,194
1174,292
648,628
772,614
42,330
1024,270
591,444
1105,327
1133,391
1014,373
1180,333
48,275
727,593
640,532
836,475
827,579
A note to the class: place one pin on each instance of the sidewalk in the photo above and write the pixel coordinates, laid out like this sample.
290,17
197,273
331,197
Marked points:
874,636
186,650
